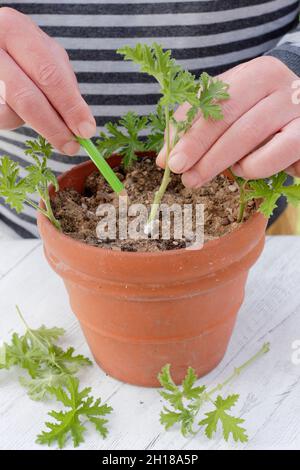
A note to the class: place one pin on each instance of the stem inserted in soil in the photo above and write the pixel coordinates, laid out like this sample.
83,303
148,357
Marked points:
243,200
49,210
243,203
166,177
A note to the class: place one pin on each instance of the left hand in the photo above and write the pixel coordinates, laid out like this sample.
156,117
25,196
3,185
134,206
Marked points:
259,135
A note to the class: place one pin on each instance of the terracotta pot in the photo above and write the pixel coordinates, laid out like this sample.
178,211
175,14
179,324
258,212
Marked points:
139,311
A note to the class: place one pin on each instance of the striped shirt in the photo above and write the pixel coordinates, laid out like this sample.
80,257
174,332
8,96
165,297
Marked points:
211,35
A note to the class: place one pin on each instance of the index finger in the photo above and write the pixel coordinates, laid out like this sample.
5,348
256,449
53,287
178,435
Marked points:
48,66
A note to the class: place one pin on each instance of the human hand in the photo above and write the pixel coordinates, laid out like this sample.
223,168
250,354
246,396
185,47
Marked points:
259,135
39,84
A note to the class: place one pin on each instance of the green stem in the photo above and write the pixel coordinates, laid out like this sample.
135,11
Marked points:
237,371
36,207
243,200
166,177
241,212
28,329
22,318
49,210
242,204
42,345
207,396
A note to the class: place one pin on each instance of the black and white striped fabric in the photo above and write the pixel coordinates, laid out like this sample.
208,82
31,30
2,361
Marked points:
211,35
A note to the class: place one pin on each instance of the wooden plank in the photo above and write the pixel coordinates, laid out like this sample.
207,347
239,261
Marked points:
12,252
269,390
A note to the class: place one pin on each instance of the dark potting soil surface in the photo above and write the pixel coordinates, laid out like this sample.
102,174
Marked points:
77,212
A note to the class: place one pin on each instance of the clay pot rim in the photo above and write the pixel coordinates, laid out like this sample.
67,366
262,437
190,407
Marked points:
152,254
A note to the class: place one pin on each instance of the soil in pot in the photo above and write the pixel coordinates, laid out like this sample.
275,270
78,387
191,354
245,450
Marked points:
77,212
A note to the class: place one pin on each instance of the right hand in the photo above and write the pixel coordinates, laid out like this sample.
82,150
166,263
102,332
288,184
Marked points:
40,87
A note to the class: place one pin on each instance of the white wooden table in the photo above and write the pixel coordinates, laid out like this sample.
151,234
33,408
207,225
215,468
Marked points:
269,390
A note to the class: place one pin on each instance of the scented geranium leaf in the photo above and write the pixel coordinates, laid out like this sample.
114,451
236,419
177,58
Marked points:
182,88
189,391
123,138
187,422
260,189
171,392
94,408
189,380
42,338
39,175
47,364
292,193
111,141
155,142
168,418
100,425
269,204
184,401
276,181
38,387
177,85
185,418
174,398
12,188
51,178
165,379
230,424
157,125
67,360
69,423
211,92
48,335
54,369
69,400
191,115
134,125
39,147
16,190
270,190
19,353
151,60
77,432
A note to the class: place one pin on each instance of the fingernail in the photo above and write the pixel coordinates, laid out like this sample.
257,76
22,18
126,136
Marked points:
236,168
191,179
87,129
177,162
71,148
